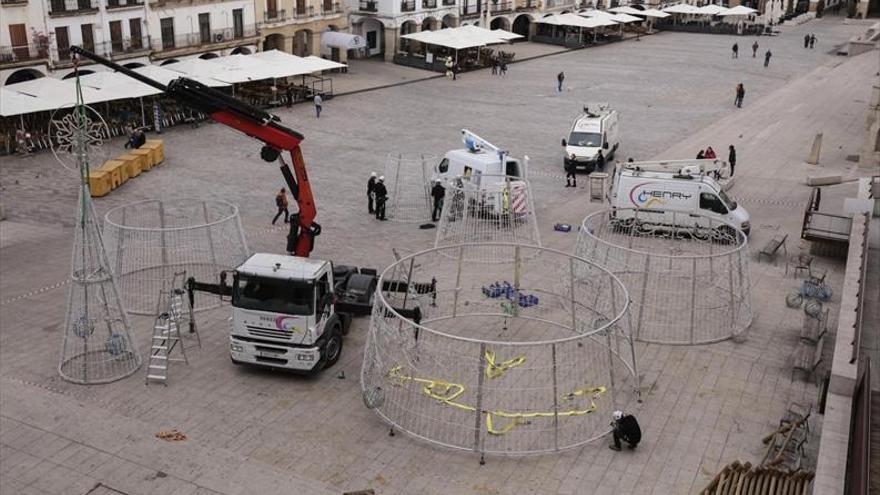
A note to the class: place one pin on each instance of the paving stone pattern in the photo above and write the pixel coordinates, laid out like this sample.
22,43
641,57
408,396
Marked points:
253,431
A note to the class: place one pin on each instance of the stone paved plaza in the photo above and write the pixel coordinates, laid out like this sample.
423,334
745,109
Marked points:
251,431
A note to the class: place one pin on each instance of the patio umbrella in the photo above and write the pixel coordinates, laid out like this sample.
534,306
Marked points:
739,10
625,9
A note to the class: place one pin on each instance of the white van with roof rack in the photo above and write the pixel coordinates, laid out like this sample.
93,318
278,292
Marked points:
596,129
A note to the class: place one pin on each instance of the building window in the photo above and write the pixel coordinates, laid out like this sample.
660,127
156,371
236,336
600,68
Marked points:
88,37
205,27
134,28
238,23
62,39
167,28
116,36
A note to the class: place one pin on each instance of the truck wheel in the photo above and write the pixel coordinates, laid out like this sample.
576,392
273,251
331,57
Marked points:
332,348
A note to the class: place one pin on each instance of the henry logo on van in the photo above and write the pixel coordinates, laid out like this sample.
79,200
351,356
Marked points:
647,197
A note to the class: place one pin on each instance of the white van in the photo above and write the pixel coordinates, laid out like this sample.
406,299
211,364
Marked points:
595,130
479,157
681,186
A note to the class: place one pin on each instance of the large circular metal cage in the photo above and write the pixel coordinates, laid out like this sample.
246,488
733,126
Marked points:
687,274
495,210
528,354
148,242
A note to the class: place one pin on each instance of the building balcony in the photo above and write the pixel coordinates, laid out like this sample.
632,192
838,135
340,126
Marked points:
447,3
22,55
527,5
408,6
199,39
59,8
368,6
330,8
13,2
273,16
429,4
121,4
502,6
125,46
469,10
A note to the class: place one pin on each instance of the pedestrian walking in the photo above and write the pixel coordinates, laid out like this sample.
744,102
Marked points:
806,40
318,103
438,192
293,233
754,49
767,58
381,193
494,66
600,161
570,174
503,67
731,159
288,93
455,70
812,40
559,78
449,64
740,94
735,51
282,204
626,428
371,192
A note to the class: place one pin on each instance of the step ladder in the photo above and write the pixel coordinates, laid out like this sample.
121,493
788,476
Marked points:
166,332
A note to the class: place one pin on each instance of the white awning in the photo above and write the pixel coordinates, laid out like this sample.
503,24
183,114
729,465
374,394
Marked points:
244,68
344,41
682,8
739,10
44,94
297,66
462,37
165,76
654,13
712,9
625,9
574,20
198,68
608,16
116,86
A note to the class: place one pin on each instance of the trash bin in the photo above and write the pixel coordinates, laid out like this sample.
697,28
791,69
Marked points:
598,182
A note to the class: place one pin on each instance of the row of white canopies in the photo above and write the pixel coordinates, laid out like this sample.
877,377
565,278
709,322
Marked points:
459,38
590,19
48,93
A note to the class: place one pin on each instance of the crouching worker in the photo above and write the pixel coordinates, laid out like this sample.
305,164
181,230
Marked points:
626,428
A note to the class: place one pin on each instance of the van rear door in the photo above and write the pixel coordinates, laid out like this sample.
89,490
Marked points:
512,168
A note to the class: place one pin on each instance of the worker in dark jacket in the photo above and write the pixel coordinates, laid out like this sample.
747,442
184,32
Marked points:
381,194
438,192
626,428
371,189
600,161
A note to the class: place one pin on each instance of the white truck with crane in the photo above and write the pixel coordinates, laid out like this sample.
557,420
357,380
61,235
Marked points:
288,312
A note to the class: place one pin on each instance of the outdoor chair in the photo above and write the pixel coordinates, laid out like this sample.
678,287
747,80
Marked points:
772,246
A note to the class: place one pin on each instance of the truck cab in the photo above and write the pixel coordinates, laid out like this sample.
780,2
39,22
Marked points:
284,315
596,129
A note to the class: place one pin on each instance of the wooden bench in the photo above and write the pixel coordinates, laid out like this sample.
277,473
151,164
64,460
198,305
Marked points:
808,357
814,326
773,246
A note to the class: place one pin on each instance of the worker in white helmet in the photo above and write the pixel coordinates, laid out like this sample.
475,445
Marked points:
371,187
625,427
381,194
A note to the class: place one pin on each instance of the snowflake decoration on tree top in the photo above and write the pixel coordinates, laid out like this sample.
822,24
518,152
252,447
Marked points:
66,131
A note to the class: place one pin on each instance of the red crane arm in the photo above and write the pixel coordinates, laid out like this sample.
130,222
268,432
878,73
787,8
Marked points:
251,121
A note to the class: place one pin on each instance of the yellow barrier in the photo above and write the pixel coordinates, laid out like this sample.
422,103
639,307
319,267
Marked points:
147,155
115,170
157,146
132,164
99,183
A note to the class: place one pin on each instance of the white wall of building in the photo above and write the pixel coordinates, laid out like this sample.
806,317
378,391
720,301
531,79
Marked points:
31,14
186,17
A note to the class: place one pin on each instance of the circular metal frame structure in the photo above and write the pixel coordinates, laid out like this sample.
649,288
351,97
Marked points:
497,211
147,242
688,274
525,355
